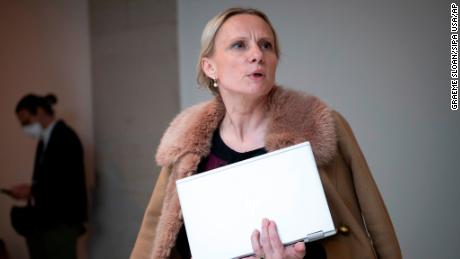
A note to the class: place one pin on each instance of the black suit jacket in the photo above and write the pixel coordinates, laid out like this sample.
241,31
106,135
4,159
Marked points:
59,187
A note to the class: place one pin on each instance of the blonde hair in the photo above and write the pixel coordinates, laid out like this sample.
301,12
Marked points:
208,40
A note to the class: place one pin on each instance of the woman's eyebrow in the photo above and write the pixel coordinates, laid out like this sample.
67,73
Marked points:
235,38
267,38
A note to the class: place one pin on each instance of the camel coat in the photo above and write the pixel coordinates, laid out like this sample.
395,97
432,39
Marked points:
358,211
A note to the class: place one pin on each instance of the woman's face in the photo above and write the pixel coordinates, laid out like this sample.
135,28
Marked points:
244,59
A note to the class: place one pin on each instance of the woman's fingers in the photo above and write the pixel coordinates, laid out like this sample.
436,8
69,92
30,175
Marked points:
255,237
275,241
267,243
265,238
300,247
296,251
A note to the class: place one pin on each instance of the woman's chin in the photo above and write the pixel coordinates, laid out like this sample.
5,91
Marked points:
251,90
259,90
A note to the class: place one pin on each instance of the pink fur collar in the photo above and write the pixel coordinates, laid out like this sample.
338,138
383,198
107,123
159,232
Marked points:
295,117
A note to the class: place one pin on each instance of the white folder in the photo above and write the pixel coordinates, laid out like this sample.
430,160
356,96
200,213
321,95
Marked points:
222,207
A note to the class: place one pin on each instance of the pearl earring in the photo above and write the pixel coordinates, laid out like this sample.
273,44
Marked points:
215,83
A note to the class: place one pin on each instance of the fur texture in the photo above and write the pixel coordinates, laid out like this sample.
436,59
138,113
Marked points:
294,118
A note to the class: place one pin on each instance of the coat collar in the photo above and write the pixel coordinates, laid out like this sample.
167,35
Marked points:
294,118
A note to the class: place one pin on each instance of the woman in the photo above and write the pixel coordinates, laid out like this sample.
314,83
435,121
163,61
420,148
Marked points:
249,116
57,194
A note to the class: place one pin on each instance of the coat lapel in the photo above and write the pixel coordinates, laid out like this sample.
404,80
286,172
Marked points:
294,118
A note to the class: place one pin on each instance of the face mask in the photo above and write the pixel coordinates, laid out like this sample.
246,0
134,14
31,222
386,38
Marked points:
34,130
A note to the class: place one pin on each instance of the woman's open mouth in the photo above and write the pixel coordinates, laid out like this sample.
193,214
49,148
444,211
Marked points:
256,76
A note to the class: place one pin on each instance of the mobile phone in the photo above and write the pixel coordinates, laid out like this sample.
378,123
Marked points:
6,191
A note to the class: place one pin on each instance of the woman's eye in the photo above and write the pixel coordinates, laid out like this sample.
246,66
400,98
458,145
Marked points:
266,45
238,45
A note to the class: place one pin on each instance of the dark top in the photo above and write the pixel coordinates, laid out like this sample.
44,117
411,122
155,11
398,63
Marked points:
221,155
59,188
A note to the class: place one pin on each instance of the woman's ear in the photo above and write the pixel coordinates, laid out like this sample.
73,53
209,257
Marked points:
209,67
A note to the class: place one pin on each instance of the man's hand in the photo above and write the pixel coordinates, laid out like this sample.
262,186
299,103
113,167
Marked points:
20,191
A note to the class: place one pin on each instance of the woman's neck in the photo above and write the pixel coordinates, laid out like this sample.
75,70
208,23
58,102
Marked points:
245,123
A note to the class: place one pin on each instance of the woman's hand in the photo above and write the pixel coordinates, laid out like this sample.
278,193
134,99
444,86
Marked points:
268,244
21,191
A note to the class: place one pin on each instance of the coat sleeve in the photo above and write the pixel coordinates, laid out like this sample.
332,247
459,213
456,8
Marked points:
372,206
143,247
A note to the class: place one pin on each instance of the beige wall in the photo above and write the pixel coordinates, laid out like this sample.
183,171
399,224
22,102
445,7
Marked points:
135,87
126,77
44,48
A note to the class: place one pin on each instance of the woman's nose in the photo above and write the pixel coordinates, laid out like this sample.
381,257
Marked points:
255,55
